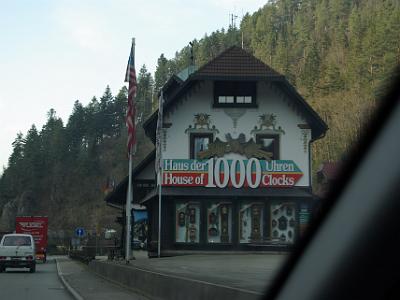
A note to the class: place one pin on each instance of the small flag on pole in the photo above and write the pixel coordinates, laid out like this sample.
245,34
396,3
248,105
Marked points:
159,137
130,77
159,167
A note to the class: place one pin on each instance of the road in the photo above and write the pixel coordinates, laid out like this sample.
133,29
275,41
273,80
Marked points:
44,284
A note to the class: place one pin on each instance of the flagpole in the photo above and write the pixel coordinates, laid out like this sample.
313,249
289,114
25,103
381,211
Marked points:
129,196
159,210
128,209
159,166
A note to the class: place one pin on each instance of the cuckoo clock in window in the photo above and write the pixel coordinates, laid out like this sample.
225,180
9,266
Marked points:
219,222
251,222
283,221
188,224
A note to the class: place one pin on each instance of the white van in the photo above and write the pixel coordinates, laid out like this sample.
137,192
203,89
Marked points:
17,251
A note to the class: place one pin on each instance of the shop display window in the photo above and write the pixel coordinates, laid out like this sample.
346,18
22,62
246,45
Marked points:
219,222
187,222
283,222
251,222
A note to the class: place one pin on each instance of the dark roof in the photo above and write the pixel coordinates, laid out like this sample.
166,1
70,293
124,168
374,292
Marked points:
118,196
172,84
236,62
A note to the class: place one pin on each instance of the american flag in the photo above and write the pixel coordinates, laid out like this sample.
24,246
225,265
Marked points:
130,77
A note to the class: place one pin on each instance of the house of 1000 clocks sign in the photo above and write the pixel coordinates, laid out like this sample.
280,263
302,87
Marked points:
221,173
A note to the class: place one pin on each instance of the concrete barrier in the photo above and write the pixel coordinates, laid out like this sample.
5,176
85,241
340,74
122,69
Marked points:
156,285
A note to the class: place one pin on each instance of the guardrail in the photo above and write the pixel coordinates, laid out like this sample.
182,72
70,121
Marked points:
85,254
88,253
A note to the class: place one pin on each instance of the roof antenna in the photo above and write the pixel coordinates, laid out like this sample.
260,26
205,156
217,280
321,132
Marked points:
191,54
191,67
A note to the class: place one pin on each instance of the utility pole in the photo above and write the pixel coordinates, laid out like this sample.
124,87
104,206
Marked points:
232,20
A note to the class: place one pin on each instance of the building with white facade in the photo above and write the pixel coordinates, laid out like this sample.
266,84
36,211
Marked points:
236,159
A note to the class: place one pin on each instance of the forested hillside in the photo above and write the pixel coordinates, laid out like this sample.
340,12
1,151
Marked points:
339,54
64,170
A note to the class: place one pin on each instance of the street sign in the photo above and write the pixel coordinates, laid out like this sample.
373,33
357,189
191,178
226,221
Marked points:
79,232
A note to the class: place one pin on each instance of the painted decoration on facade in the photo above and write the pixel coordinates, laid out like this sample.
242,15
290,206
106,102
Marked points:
221,173
235,114
267,124
304,139
202,122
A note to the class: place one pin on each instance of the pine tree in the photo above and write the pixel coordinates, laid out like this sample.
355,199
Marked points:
104,117
76,129
161,74
120,104
144,93
33,159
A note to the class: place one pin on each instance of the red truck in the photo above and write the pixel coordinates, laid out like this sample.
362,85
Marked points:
37,227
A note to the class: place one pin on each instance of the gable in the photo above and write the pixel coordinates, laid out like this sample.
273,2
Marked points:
236,64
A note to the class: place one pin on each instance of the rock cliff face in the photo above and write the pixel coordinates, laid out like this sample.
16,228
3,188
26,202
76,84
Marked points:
20,206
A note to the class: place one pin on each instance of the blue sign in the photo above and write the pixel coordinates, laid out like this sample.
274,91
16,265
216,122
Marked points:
139,215
79,232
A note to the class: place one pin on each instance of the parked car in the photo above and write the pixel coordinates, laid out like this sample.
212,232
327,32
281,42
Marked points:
17,251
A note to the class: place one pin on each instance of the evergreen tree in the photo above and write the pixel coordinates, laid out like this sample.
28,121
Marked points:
33,159
120,104
105,117
93,133
144,94
161,74
76,129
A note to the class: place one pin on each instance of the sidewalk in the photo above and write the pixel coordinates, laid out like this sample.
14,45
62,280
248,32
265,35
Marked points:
233,276
85,285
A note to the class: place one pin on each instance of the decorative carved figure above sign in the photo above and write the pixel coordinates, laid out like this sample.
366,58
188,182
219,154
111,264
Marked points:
239,145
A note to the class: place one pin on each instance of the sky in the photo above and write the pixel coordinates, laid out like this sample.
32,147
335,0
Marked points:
53,52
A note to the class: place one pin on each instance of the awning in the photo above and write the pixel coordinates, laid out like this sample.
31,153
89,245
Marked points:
117,198
295,192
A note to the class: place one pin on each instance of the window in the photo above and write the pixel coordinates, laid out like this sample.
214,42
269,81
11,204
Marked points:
235,93
283,222
199,142
269,143
17,241
187,222
219,222
251,222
